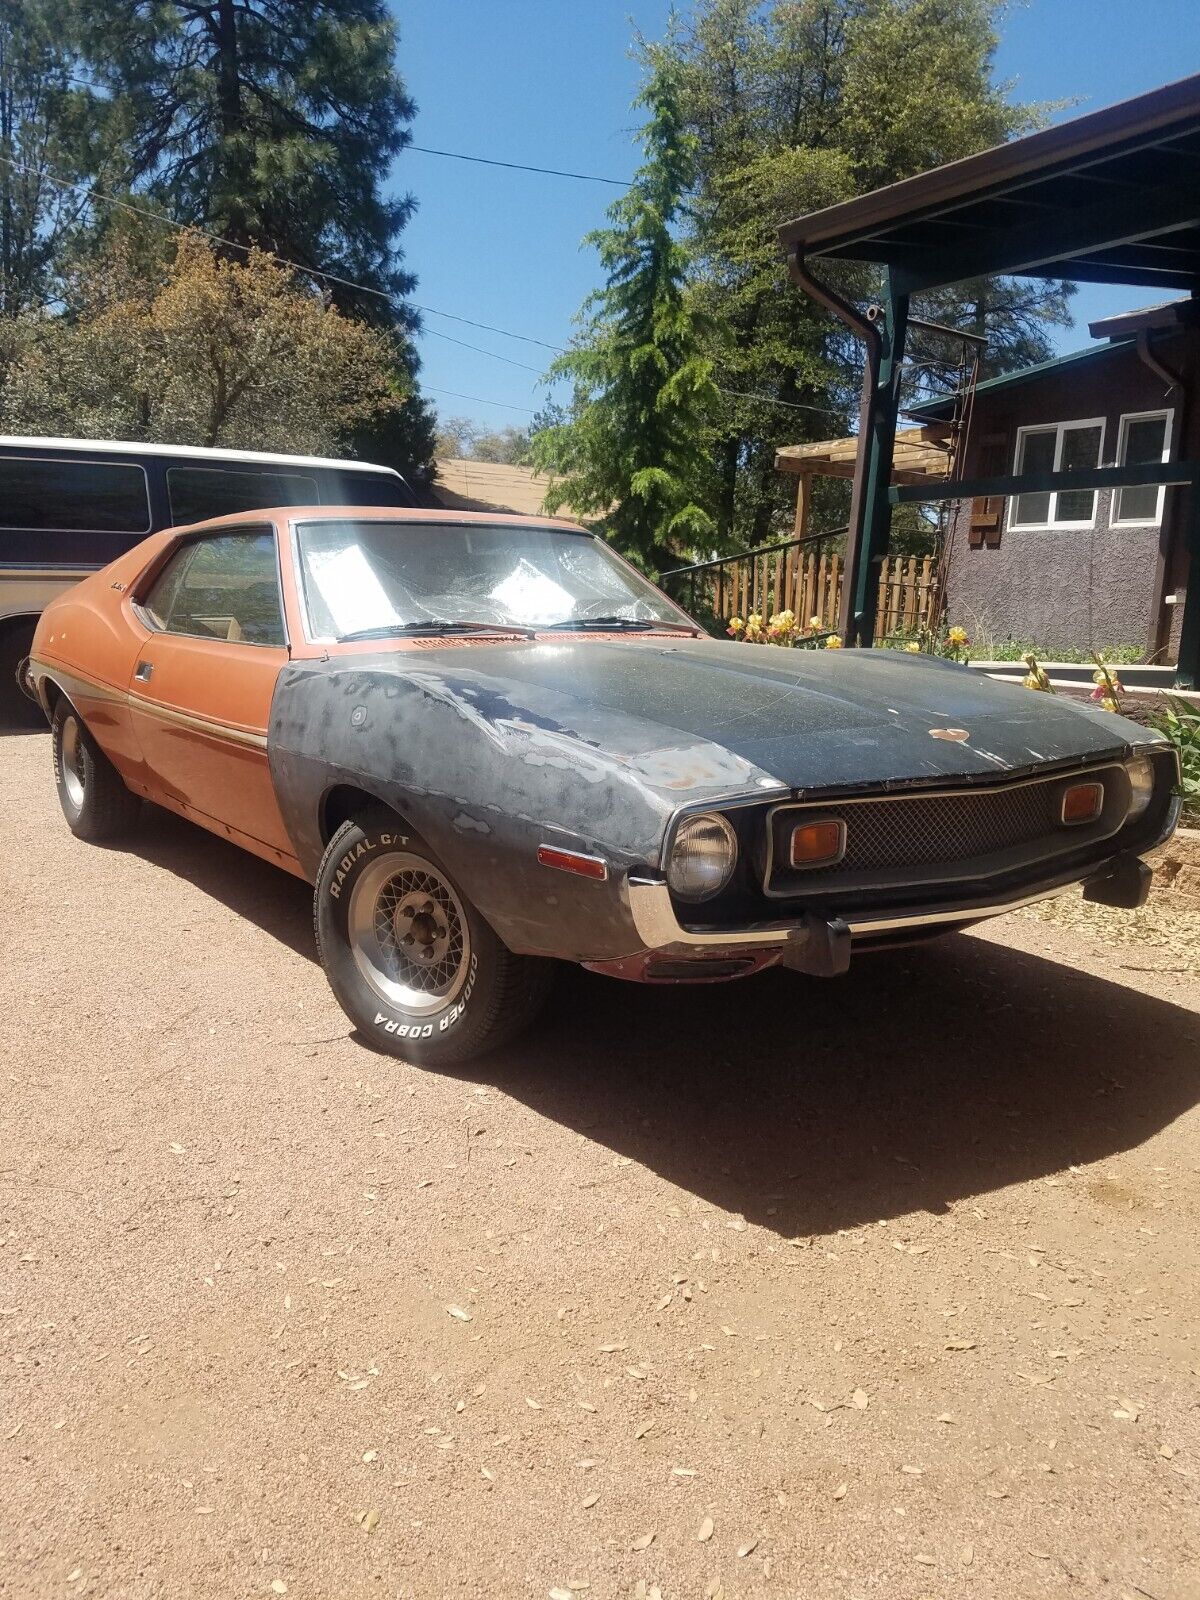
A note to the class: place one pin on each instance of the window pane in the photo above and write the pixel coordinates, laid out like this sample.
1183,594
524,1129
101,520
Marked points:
1036,454
1032,509
73,496
1080,448
159,601
229,589
197,493
368,574
1144,440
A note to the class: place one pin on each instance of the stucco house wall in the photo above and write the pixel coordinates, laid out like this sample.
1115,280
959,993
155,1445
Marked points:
1072,588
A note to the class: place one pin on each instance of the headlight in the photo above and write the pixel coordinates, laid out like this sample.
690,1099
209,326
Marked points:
1140,772
702,858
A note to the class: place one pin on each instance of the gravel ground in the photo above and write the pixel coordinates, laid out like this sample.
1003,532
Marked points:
885,1287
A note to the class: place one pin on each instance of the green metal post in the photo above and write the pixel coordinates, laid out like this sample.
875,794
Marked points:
877,467
1187,673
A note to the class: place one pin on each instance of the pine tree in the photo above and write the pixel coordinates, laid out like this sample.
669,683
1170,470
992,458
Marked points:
632,451
47,132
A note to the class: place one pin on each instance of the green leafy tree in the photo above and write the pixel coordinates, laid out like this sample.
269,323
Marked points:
633,446
797,106
208,352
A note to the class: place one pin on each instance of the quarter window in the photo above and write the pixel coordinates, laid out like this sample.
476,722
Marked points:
1144,438
226,587
1058,447
73,496
197,493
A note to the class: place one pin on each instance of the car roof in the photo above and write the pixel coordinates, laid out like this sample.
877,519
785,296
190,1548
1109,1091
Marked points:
187,452
506,519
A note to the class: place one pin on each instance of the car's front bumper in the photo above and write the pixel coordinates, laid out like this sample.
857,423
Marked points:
821,941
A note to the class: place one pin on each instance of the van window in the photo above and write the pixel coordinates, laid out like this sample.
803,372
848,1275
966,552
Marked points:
226,587
73,496
197,493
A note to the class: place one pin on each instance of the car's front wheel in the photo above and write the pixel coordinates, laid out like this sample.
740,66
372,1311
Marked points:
93,796
411,962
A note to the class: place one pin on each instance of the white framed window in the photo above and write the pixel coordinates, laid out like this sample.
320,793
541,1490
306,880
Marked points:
1057,447
1145,436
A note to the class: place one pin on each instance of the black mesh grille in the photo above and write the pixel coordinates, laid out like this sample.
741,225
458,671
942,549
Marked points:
911,835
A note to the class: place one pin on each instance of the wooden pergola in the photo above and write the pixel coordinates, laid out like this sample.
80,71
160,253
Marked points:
920,454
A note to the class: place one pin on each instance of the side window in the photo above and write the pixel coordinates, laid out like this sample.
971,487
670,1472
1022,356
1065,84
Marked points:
73,496
226,587
197,493
1144,439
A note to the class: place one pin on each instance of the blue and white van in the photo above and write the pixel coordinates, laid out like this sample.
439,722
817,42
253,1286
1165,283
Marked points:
69,506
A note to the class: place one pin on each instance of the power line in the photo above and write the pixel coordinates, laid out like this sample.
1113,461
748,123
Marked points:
382,294
478,399
478,348
791,405
92,193
431,311
520,166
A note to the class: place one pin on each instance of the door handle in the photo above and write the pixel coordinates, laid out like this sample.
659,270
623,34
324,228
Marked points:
143,670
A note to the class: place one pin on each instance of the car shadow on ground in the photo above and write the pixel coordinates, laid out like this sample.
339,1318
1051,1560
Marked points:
922,1078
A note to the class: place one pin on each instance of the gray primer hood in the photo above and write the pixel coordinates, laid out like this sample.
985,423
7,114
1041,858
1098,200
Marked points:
710,717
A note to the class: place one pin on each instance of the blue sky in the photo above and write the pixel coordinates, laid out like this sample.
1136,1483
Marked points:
549,82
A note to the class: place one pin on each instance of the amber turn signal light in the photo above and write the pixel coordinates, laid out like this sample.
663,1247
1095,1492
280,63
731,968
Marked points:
816,844
1082,802
570,861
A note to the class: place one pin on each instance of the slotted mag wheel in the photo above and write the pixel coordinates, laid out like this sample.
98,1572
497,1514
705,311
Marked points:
409,933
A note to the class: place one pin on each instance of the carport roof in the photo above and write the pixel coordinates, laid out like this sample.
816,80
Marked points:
1111,197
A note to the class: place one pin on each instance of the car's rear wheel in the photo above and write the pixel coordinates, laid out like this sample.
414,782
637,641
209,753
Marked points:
94,799
411,962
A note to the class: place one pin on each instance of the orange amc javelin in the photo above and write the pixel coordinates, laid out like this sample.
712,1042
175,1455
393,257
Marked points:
490,744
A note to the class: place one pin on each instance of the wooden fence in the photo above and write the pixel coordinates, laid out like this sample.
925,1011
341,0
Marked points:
804,576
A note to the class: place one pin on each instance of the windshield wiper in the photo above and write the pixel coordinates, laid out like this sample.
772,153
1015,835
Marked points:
432,627
612,624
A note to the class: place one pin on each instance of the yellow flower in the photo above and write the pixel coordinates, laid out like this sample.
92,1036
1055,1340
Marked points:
1110,704
816,624
1098,676
958,636
913,648
833,642
1033,681
736,626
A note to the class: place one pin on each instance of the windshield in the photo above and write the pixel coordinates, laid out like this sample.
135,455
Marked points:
360,576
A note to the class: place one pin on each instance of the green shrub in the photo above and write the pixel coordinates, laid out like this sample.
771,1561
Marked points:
1180,721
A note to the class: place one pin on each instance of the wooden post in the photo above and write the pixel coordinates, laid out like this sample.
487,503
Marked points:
803,503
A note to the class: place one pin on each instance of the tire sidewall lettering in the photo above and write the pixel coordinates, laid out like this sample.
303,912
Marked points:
361,850
402,1029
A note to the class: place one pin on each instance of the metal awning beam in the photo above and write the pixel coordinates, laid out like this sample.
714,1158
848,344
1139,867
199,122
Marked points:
1128,477
1123,219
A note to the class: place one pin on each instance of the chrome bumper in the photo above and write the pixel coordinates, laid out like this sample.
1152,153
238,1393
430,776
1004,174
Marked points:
659,929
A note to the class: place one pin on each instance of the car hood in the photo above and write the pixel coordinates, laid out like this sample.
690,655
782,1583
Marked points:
708,717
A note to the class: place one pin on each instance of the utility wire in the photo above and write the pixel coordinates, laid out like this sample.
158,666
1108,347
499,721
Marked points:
478,348
478,399
520,166
382,294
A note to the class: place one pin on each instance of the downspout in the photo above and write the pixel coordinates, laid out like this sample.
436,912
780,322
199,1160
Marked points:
1160,628
863,329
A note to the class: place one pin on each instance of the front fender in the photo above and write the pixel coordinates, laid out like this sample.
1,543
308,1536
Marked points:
485,786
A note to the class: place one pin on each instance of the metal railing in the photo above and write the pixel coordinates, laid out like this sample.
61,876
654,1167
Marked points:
797,575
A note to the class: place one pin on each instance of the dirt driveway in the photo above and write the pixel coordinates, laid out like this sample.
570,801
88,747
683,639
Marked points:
886,1287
